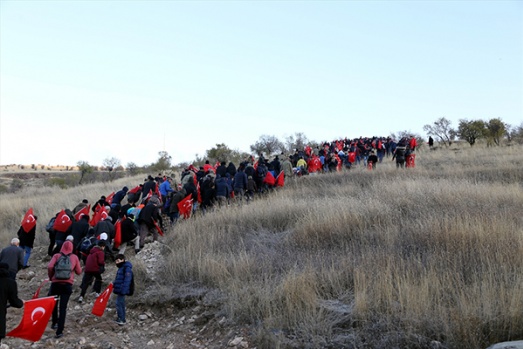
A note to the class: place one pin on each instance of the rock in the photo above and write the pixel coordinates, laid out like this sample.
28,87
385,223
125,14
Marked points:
236,341
82,340
151,342
507,345
143,317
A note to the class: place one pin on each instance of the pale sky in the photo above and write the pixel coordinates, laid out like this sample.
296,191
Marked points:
90,80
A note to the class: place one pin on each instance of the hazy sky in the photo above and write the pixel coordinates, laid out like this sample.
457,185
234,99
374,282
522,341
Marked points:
90,80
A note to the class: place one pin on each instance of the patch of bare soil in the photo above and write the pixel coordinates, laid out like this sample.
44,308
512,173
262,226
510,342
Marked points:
185,321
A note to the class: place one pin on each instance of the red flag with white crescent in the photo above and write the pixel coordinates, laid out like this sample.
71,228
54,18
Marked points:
101,301
35,319
109,198
62,222
185,206
29,221
84,211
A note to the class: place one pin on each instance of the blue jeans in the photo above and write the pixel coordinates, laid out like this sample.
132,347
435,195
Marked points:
120,307
27,254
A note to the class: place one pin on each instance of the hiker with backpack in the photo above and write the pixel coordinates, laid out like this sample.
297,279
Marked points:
61,270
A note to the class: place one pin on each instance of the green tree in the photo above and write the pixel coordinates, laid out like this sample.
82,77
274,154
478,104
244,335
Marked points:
219,153
268,145
163,163
441,129
472,130
495,131
85,169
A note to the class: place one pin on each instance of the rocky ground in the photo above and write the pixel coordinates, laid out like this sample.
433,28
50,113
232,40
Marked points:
188,321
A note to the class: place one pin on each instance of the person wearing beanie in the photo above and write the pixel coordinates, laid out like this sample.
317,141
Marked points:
8,294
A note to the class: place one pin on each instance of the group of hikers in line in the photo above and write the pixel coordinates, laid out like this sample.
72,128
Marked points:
93,235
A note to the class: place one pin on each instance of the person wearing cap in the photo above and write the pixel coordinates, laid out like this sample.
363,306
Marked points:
8,294
94,267
27,240
13,256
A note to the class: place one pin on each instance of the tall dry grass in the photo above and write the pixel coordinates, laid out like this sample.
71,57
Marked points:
389,258
383,259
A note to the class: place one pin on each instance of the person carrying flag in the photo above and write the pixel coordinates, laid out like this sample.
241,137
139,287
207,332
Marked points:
27,239
8,294
13,256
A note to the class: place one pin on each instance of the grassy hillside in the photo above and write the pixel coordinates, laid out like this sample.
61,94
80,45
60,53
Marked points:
418,258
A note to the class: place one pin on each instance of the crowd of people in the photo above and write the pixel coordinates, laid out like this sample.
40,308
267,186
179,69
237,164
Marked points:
92,235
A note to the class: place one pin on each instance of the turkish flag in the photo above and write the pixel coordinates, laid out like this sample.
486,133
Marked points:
34,321
135,189
149,195
84,211
101,302
185,206
118,233
62,222
109,198
29,221
280,179
158,227
269,179
37,293
98,216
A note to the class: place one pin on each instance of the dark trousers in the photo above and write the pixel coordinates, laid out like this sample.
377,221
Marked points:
52,237
64,290
86,281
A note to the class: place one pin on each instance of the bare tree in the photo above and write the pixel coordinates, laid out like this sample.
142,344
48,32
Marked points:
85,169
268,145
111,165
296,141
441,129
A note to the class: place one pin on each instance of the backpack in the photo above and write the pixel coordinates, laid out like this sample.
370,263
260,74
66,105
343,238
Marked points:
63,267
86,244
49,226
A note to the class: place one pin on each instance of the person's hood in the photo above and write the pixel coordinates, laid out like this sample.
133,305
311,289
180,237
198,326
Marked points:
67,247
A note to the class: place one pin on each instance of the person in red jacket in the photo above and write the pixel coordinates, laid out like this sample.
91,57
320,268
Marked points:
61,287
94,267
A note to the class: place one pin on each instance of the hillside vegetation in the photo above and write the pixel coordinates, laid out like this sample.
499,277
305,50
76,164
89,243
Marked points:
428,257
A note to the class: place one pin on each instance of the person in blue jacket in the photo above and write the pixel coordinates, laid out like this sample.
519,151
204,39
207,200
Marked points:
123,285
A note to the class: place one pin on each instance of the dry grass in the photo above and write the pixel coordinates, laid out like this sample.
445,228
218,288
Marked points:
382,259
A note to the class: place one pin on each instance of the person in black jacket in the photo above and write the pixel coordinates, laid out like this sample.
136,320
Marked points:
149,215
8,294
27,240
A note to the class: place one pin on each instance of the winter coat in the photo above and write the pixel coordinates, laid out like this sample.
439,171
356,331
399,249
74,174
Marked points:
222,188
231,169
27,239
8,294
80,229
95,260
177,197
105,226
129,231
122,282
150,185
149,215
240,180
14,257
67,249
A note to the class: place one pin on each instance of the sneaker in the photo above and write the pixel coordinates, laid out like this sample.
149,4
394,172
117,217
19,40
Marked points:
59,335
80,299
120,322
54,326
137,251
25,266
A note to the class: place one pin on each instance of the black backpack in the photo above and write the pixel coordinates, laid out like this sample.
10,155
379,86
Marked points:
86,244
63,267
49,226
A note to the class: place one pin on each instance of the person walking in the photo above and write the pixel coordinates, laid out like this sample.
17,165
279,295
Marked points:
13,256
8,294
122,286
27,240
94,267
61,286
